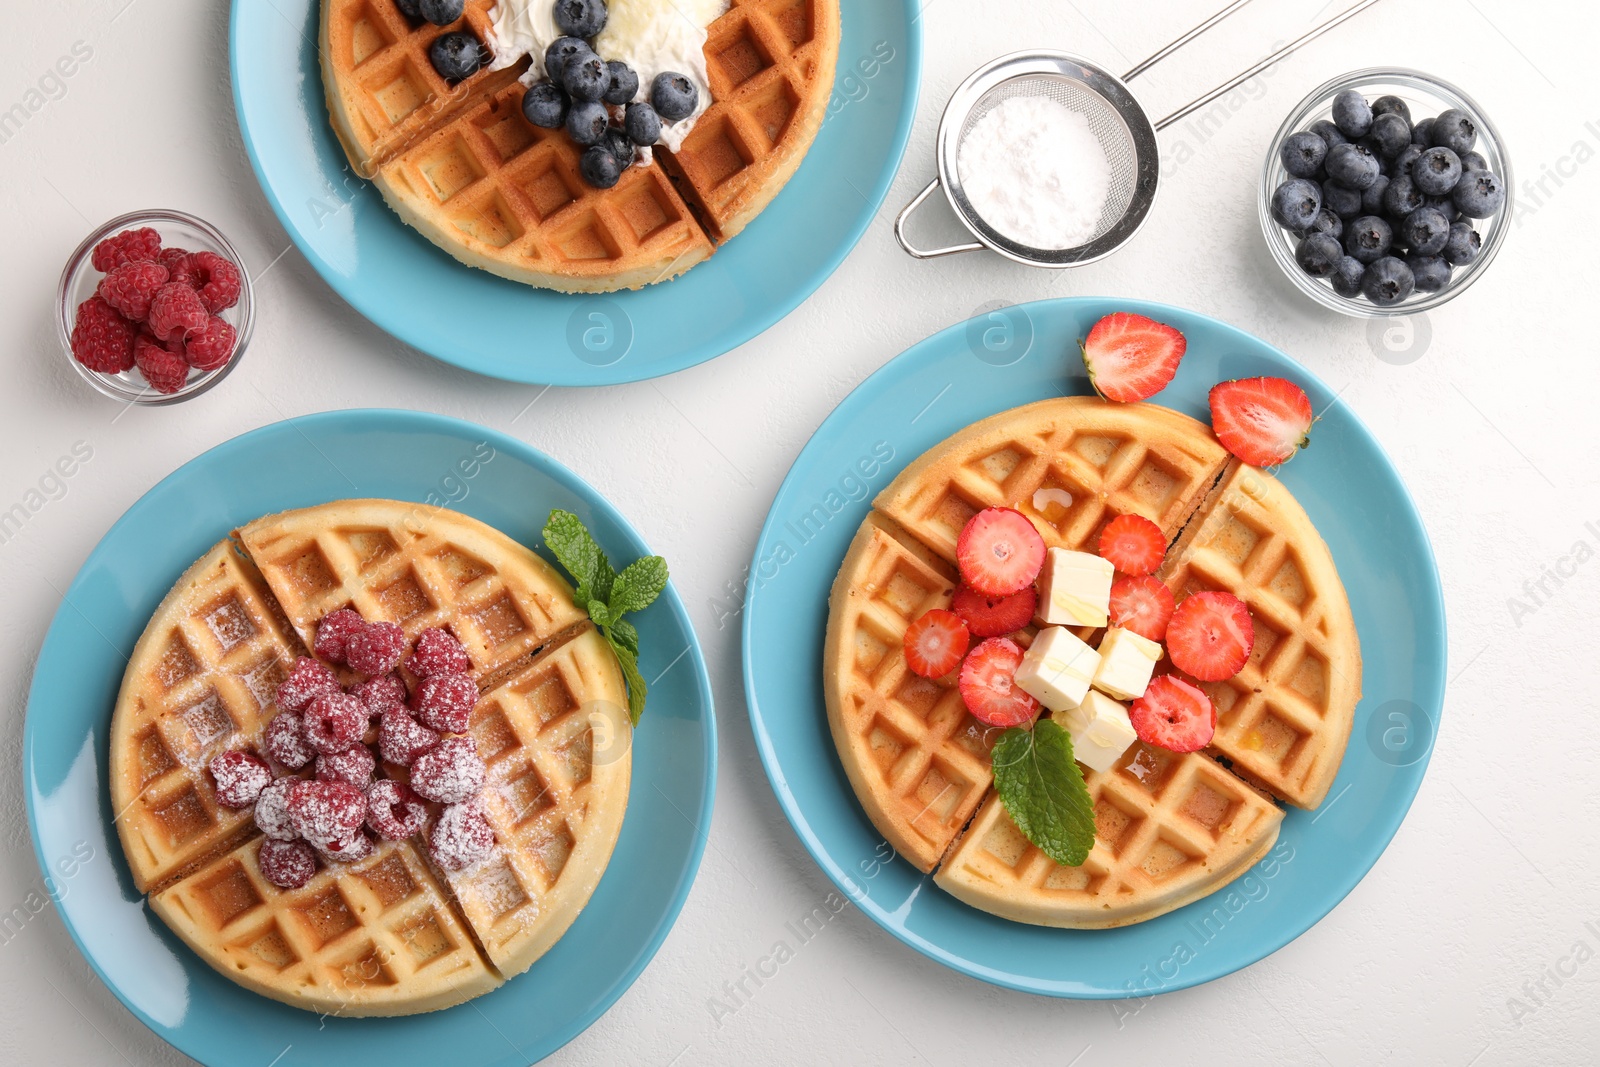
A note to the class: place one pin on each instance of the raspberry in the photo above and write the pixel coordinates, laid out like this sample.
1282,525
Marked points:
334,722
176,260
375,649
326,812
240,778
164,368
102,339
333,631
382,693
352,848
402,739
394,812
175,310
307,681
272,810
129,246
444,702
285,740
131,287
354,765
210,346
216,280
450,773
438,652
286,864
461,837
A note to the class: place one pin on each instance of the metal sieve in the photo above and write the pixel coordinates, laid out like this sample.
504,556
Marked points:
1118,121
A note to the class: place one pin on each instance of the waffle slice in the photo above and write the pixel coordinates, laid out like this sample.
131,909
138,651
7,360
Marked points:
1284,720
377,937
202,680
416,565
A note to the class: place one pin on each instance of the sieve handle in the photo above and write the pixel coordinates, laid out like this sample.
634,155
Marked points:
925,253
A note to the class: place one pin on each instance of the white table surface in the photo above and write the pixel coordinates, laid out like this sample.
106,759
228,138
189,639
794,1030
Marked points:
1473,939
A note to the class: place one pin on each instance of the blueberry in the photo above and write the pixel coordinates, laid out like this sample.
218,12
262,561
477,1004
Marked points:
673,96
1429,273
1345,203
1387,105
1404,161
586,122
440,12
560,51
545,105
1318,255
1387,281
1401,198
1351,166
1329,133
1352,114
585,77
624,85
1326,222
599,167
581,18
1436,171
642,124
1443,205
1302,154
409,8
1425,231
1368,238
1455,131
1372,196
1479,194
1295,204
1473,161
616,142
1346,277
456,56
1421,132
1462,246
1392,131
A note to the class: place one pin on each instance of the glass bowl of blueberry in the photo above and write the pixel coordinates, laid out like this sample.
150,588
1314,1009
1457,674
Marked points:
1387,192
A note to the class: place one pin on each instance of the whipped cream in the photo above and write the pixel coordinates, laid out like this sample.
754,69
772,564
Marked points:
523,28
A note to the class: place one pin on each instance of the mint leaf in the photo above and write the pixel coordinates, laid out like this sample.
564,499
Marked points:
600,614
637,587
627,634
631,675
576,550
1042,789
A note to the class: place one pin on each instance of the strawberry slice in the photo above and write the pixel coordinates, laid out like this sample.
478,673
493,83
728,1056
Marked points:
1133,544
999,552
1142,604
1263,421
994,616
1210,636
1131,357
1173,715
936,643
989,684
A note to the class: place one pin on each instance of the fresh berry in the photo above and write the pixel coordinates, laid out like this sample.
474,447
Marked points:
1369,238
994,616
989,684
164,368
586,122
936,643
1340,202
1471,161
272,810
585,77
1392,133
333,633
673,96
1372,196
616,142
326,812
1352,114
375,648
1130,357
307,680
1263,421
1387,281
102,339
286,864
456,56
1455,130
1462,246
440,12
1390,104
1422,132
1133,544
999,552
354,765
444,702
1210,636
641,123
545,105
1431,273
216,280
131,287
211,346
334,722
1346,277
352,848
129,246
580,18
1401,197
285,740
401,739
175,310
1319,255
394,812
240,778
599,166
1302,154
178,265
1329,132
624,84
1143,604
1479,194
1425,231
1436,171
562,51
1351,165
380,694
461,837
438,652
1173,715
451,772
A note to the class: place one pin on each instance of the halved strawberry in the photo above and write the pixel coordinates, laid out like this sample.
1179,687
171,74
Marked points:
1133,544
1263,421
999,552
1173,715
936,643
1131,357
1210,636
989,684
1142,604
994,616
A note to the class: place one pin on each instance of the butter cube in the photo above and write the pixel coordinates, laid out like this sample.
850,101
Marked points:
1100,729
1126,663
1074,589
1057,669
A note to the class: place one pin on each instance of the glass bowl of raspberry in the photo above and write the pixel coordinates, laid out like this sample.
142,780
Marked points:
154,307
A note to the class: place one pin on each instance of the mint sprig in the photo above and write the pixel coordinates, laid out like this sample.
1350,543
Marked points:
608,595
1042,789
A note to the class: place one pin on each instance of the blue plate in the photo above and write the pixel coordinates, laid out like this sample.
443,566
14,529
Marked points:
395,277
398,455
1347,485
